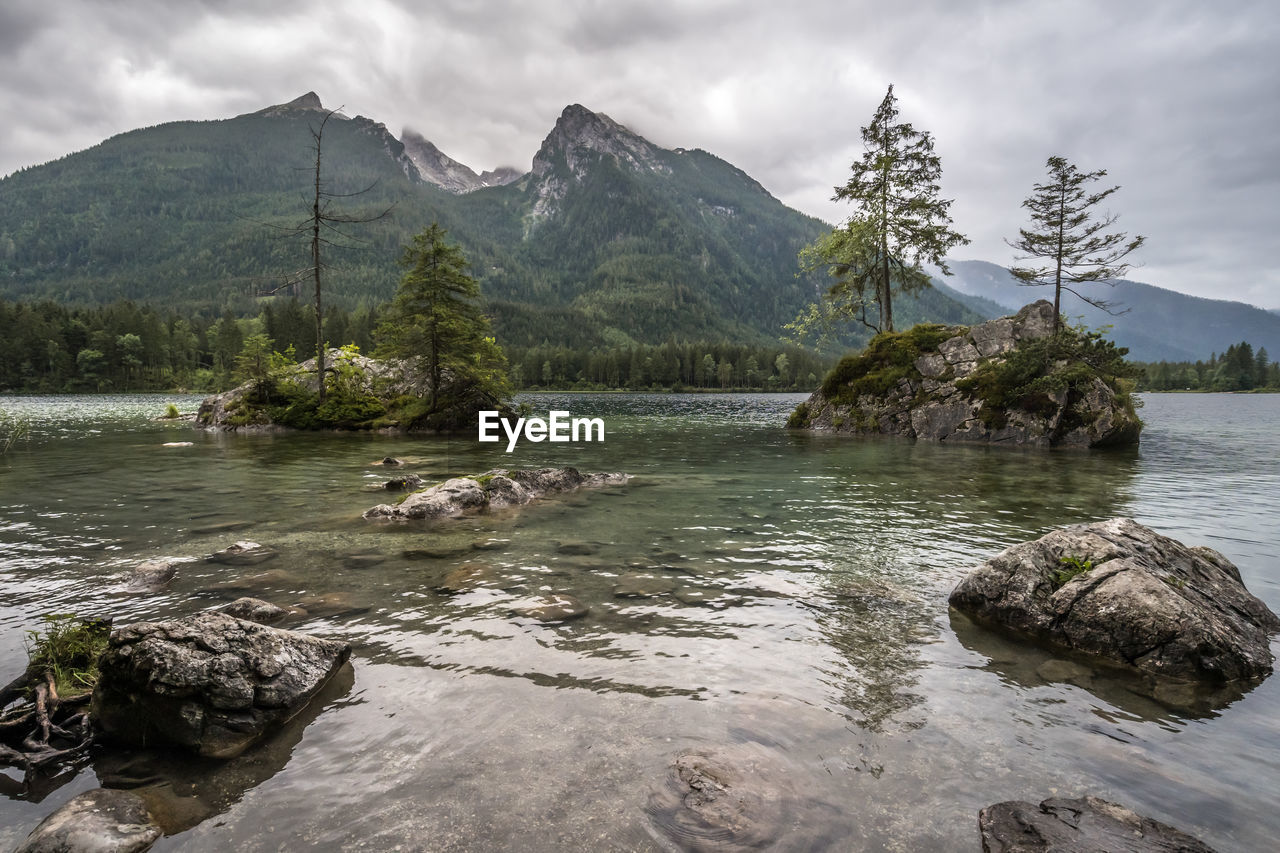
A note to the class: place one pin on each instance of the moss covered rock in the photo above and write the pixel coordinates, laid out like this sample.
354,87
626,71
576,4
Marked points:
1007,381
362,393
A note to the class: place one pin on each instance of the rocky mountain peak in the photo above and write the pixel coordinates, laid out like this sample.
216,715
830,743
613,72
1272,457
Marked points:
579,139
581,135
436,167
310,102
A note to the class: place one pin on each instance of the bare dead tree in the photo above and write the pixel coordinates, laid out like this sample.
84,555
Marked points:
324,218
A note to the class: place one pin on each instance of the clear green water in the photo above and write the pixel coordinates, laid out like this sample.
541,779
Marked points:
826,668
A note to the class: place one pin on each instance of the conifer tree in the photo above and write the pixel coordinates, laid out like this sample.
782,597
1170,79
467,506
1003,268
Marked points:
1065,234
435,321
899,223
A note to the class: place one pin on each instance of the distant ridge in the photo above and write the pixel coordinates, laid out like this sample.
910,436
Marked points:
1159,325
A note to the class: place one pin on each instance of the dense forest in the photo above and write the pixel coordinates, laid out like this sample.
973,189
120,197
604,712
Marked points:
49,348
1240,368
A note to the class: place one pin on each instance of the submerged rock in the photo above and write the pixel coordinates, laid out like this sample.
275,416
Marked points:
103,820
494,489
222,527
1085,825
257,610
728,800
552,608
1120,592
466,577
151,576
242,554
939,383
331,604
209,682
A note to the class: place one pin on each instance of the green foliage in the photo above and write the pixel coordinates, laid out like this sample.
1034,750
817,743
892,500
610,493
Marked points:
898,225
1037,374
889,358
435,323
1237,369
171,412
69,647
1064,233
12,430
1072,567
799,419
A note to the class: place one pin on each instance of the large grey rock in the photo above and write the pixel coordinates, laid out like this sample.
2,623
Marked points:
494,489
210,682
927,404
1085,825
103,820
1148,603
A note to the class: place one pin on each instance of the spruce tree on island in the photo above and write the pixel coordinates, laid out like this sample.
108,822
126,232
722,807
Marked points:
1067,237
899,223
435,323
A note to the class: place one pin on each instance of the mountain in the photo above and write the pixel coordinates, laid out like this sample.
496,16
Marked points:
1159,324
436,167
607,240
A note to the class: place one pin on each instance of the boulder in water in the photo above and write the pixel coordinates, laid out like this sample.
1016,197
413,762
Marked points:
1120,592
103,820
209,682
1085,825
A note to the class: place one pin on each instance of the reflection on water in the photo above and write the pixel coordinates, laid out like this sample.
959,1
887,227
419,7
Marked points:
772,601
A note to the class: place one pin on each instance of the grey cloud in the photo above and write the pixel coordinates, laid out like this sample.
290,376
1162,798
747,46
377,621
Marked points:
1175,99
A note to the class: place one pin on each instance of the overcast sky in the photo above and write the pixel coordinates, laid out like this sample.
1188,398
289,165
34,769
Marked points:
1179,101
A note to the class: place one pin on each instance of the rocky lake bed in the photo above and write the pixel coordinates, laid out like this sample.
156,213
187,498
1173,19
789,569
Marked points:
738,650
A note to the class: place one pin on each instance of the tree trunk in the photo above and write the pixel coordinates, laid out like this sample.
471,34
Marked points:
315,266
1057,277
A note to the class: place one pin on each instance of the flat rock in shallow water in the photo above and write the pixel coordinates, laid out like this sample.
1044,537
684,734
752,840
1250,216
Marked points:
1145,602
210,683
103,820
494,489
1086,825
242,554
552,608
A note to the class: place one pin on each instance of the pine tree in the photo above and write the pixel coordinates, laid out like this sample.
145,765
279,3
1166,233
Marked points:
1065,234
899,225
435,321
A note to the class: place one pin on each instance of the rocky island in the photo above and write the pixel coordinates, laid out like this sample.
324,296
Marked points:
1008,381
363,394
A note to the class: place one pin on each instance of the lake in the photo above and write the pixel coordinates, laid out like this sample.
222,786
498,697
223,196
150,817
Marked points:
804,641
